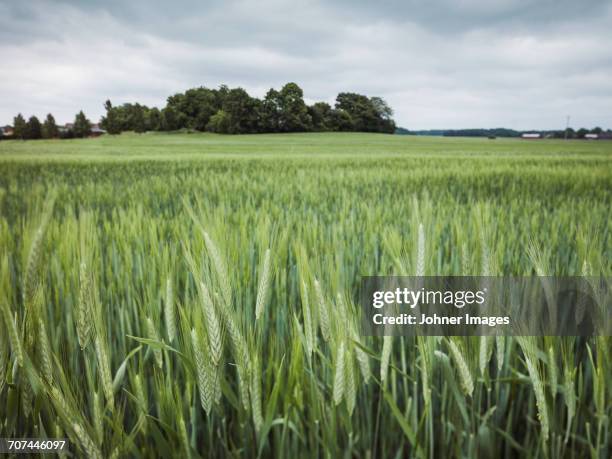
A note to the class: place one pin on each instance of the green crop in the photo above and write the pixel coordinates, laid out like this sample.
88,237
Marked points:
196,295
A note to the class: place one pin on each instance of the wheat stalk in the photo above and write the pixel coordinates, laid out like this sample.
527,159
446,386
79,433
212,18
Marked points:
240,354
420,261
308,328
59,402
31,280
13,334
205,374
385,358
486,347
324,321
31,277
152,332
528,348
465,377
45,352
4,359
27,394
104,370
264,285
213,327
256,394
220,269
552,367
169,311
362,359
139,392
425,347
500,344
143,404
84,306
184,437
89,447
98,421
339,375
351,389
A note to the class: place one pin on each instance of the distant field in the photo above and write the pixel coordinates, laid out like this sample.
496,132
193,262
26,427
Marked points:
175,145
229,265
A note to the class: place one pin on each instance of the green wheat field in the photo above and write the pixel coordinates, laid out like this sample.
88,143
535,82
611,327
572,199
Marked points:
195,295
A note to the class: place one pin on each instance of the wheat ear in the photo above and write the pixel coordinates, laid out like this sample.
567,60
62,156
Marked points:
324,321
339,376
213,326
308,334
256,395
351,389
84,306
465,377
420,263
385,358
169,311
45,352
104,370
152,332
264,285
205,374
89,447
13,334
4,358
220,269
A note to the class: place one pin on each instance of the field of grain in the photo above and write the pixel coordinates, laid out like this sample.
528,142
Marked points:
196,295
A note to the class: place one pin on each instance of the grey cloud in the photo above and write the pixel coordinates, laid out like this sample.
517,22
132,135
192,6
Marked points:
516,63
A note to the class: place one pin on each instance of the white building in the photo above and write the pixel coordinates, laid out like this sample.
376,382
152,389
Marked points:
531,136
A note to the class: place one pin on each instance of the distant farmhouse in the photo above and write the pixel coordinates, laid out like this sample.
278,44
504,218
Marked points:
591,136
6,131
65,128
96,130
531,136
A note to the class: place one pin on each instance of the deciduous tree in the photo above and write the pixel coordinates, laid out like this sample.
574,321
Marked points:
33,129
82,126
50,129
19,127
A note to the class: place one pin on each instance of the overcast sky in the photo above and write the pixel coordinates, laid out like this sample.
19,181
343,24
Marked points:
440,64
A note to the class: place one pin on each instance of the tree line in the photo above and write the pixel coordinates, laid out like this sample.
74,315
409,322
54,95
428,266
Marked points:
233,111
568,133
33,129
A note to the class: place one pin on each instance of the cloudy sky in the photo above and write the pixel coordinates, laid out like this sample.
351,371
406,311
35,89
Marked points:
440,64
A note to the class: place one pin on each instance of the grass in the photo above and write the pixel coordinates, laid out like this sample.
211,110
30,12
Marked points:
195,295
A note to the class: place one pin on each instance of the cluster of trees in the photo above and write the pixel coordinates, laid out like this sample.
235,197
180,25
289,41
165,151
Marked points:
234,111
580,133
33,129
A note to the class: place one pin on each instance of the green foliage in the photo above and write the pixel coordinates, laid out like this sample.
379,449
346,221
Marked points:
367,114
82,126
33,129
49,128
219,122
169,119
196,295
19,127
241,112
294,115
236,112
112,121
